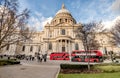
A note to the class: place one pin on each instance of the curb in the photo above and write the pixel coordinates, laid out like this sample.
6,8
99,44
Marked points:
56,76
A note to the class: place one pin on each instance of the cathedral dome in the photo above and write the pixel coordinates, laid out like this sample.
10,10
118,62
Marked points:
63,16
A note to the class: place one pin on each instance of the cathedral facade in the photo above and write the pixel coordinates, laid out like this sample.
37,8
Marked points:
57,36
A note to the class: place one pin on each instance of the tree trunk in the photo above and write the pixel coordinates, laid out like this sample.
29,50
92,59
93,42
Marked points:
88,65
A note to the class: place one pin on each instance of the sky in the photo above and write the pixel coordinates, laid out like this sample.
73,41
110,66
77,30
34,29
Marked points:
84,11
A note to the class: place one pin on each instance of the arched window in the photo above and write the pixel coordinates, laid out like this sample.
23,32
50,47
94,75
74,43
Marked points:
23,48
65,20
76,46
7,48
60,20
63,31
39,48
31,48
50,46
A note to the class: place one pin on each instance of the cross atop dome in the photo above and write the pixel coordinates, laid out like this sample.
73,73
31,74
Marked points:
63,6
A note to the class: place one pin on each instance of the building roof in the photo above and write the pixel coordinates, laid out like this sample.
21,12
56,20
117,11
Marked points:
63,10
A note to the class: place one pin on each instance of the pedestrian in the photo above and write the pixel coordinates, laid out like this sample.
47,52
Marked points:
8,57
32,58
38,58
45,57
41,57
27,58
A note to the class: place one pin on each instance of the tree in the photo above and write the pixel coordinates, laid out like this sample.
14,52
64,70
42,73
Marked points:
87,34
13,24
114,37
115,31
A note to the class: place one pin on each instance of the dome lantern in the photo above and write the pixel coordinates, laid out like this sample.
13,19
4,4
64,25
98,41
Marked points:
63,10
63,6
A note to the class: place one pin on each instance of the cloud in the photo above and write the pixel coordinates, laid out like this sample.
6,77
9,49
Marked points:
38,21
110,24
116,6
46,20
95,10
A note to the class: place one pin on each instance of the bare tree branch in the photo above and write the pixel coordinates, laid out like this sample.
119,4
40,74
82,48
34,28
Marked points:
87,34
13,24
115,34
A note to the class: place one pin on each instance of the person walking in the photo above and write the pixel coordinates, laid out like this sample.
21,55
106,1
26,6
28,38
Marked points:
45,57
38,58
41,57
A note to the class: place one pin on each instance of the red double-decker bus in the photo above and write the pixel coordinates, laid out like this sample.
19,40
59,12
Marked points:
59,56
87,56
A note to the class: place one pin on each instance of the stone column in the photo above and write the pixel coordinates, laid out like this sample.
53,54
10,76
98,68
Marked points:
45,47
60,46
28,49
46,33
35,49
65,46
56,32
56,46
53,47
72,46
79,46
69,45
59,31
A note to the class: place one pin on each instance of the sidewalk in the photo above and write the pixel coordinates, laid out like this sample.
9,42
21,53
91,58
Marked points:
34,69
30,69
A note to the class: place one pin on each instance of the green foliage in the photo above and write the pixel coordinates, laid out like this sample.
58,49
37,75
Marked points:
108,68
99,75
108,64
9,62
98,68
73,66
